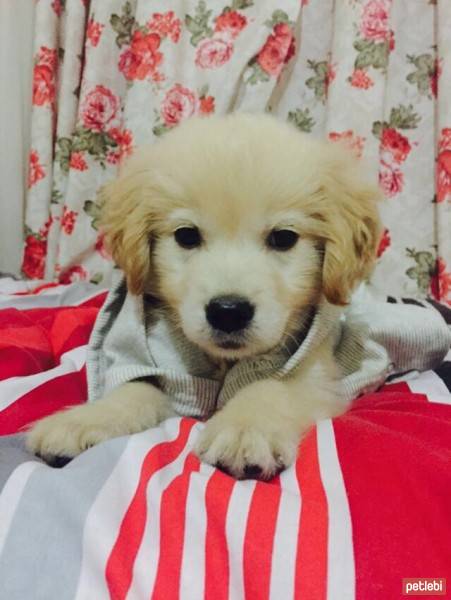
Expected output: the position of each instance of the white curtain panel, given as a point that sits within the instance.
(16, 59)
(113, 74)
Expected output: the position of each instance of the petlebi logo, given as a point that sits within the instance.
(424, 586)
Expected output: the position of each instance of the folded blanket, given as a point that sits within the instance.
(365, 505)
(373, 340)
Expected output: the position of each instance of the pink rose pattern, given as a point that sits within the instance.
(355, 143)
(94, 31)
(36, 171)
(99, 108)
(211, 34)
(443, 180)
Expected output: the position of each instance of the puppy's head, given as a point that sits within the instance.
(238, 224)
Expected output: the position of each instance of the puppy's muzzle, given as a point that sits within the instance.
(229, 314)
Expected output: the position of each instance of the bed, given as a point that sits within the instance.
(367, 504)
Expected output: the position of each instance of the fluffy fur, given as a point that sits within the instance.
(236, 179)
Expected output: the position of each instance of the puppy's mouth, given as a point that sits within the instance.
(229, 341)
(230, 345)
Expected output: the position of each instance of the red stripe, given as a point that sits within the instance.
(172, 533)
(119, 568)
(259, 539)
(37, 289)
(400, 386)
(395, 456)
(311, 558)
(49, 397)
(217, 497)
(96, 301)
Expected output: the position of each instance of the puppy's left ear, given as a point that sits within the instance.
(127, 222)
(350, 225)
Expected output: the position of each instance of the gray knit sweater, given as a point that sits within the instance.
(372, 339)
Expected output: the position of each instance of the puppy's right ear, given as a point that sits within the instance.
(127, 224)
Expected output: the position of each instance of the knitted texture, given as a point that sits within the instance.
(372, 340)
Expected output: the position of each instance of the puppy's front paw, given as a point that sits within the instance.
(247, 450)
(66, 434)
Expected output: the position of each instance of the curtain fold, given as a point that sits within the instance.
(115, 74)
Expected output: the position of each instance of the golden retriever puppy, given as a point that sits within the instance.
(240, 226)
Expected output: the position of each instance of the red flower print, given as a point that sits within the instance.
(44, 231)
(278, 46)
(207, 105)
(352, 141)
(292, 51)
(440, 285)
(435, 78)
(391, 180)
(213, 52)
(331, 74)
(391, 40)
(48, 57)
(178, 104)
(230, 22)
(443, 177)
(33, 264)
(75, 273)
(57, 7)
(165, 24)
(396, 144)
(113, 157)
(124, 140)
(375, 20)
(78, 162)
(142, 58)
(44, 75)
(43, 85)
(35, 169)
(101, 248)
(384, 243)
(99, 108)
(94, 31)
(359, 79)
(68, 220)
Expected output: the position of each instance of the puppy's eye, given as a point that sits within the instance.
(282, 239)
(188, 237)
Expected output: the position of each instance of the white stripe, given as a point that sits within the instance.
(340, 551)
(54, 297)
(146, 563)
(430, 384)
(14, 388)
(283, 567)
(192, 576)
(236, 523)
(11, 495)
(106, 514)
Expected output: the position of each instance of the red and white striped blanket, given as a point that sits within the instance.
(366, 505)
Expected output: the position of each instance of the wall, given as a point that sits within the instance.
(16, 40)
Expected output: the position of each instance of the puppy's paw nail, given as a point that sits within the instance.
(222, 467)
(252, 472)
(57, 462)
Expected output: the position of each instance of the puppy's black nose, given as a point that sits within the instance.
(229, 313)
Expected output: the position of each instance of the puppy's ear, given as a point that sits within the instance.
(350, 225)
(127, 223)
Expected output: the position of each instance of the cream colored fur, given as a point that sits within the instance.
(235, 178)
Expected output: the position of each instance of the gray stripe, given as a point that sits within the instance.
(41, 558)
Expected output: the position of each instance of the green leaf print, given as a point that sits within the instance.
(302, 119)
(198, 25)
(123, 25)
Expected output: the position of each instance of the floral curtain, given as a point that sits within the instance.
(112, 74)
